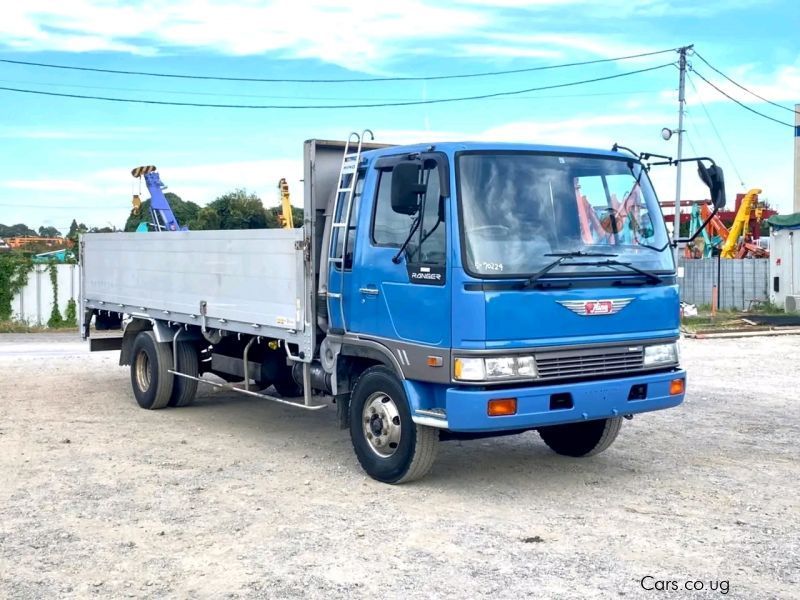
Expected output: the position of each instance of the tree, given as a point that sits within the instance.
(49, 232)
(75, 229)
(206, 219)
(185, 212)
(20, 229)
(235, 210)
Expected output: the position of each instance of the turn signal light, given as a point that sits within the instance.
(502, 407)
(677, 386)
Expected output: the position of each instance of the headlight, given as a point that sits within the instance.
(662, 354)
(494, 368)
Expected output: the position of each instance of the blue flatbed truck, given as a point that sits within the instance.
(435, 291)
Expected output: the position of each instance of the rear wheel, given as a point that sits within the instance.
(150, 377)
(585, 438)
(389, 445)
(183, 389)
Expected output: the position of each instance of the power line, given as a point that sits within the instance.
(284, 97)
(336, 106)
(353, 80)
(716, 132)
(749, 91)
(752, 110)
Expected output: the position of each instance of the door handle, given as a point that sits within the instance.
(369, 291)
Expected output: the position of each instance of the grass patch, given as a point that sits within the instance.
(721, 322)
(23, 327)
(729, 320)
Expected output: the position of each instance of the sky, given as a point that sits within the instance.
(66, 158)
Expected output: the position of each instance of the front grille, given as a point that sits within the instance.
(588, 363)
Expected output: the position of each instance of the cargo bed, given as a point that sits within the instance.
(246, 281)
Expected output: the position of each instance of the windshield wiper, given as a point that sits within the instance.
(651, 277)
(580, 253)
(562, 256)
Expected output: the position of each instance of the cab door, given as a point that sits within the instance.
(403, 293)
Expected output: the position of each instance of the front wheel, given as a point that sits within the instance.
(389, 445)
(585, 438)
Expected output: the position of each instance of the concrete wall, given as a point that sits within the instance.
(740, 281)
(35, 302)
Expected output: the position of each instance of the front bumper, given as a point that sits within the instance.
(465, 409)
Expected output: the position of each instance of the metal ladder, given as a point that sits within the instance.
(342, 205)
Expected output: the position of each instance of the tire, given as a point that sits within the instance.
(396, 453)
(184, 390)
(150, 362)
(586, 438)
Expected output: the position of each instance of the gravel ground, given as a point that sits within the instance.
(235, 497)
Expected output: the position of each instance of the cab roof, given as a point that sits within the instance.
(451, 148)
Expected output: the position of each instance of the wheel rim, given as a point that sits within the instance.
(380, 421)
(143, 371)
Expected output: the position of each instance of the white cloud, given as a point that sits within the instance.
(353, 35)
(360, 35)
(602, 46)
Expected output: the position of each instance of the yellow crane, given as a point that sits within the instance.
(285, 218)
(740, 223)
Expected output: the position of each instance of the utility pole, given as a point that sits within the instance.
(676, 228)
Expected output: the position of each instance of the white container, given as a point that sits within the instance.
(784, 271)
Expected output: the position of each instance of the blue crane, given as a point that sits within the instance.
(161, 215)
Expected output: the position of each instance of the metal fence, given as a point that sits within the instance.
(740, 281)
(35, 302)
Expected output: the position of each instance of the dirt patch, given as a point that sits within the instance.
(237, 497)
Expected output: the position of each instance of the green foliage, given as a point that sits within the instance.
(207, 219)
(75, 229)
(236, 210)
(14, 269)
(71, 314)
(184, 210)
(55, 320)
(49, 232)
(20, 229)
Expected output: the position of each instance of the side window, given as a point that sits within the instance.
(388, 227)
(351, 230)
(428, 244)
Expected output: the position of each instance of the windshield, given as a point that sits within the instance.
(517, 207)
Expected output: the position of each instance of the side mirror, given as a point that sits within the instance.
(715, 180)
(406, 187)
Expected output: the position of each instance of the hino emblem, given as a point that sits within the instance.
(591, 308)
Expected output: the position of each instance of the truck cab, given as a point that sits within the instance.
(504, 288)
